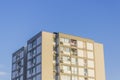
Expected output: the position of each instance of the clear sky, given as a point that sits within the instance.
(95, 19)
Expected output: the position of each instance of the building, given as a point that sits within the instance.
(59, 56)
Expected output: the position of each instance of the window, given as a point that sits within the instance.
(81, 62)
(85, 72)
(90, 55)
(81, 53)
(91, 73)
(66, 59)
(64, 40)
(91, 79)
(38, 49)
(34, 52)
(73, 60)
(22, 54)
(33, 78)
(28, 74)
(32, 62)
(13, 66)
(38, 40)
(29, 46)
(21, 71)
(65, 50)
(29, 55)
(34, 44)
(38, 59)
(65, 77)
(80, 44)
(90, 64)
(38, 77)
(89, 46)
(81, 78)
(66, 69)
(74, 78)
(38, 68)
(81, 71)
(29, 64)
(74, 70)
(74, 52)
(21, 77)
(73, 42)
(61, 39)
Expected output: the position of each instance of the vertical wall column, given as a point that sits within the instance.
(99, 62)
(47, 56)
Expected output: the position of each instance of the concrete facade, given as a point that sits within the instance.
(59, 56)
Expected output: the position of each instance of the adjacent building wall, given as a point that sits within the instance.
(99, 61)
(47, 56)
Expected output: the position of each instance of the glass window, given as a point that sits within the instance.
(13, 66)
(74, 70)
(81, 78)
(80, 44)
(91, 73)
(90, 55)
(38, 40)
(90, 64)
(38, 59)
(28, 73)
(22, 54)
(74, 52)
(61, 39)
(81, 71)
(66, 40)
(81, 62)
(66, 69)
(74, 78)
(80, 53)
(29, 46)
(38, 68)
(89, 46)
(65, 77)
(29, 55)
(34, 52)
(34, 44)
(34, 78)
(85, 72)
(29, 64)
(91, 79)
(38, 77)
(66, 59)
(61, 48)
(22, 62)
(21, 77)
(73, 60)
(38, 49)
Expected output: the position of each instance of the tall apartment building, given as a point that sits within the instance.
(58, 56)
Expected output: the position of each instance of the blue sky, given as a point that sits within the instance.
(95, 19)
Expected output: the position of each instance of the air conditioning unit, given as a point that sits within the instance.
(61, 51)
(61, 42)
(54, 70)
(61, 61)
(61, 71)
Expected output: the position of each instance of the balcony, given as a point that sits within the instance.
(74, 52)
(73, 43)
(64, 52)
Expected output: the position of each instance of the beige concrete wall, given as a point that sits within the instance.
(47, 56)
(99, 61)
